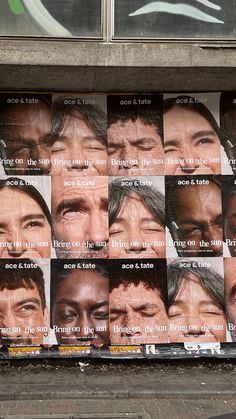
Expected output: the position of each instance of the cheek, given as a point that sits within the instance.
(115, 252)
(70, 231)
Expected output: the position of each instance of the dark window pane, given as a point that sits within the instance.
(175, 19)
(63, 18)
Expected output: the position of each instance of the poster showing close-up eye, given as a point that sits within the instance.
(51, 18)
(198, 19)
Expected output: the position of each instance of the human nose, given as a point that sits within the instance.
(41, 154)
(194, 325)
(213, 235)
(98, 230)
(130, 156)
(77, 159)
(136, 243)
(16, 244)
(86, 329)
(130, 326)
(189, 160)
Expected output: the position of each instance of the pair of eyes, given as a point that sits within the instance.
(206, 313)
(16, 148)
(70, 315)
(143, 313)
(31, 225)
(149, 229)
(142, 145)
(199, 142)
(60, 146)
(193, 231)
(24, 311)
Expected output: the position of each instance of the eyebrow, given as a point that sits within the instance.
(62, 137)
(75, 304)
(193, 137)
(28, 300)
(135, 308)
(202, 302)
(123, 219)
(33, 216)
(26, 218)
(134, 142)
(198, 223)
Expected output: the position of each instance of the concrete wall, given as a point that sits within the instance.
(122, 67)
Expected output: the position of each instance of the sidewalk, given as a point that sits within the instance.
(148, 389)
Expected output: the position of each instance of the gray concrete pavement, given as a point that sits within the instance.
(148, 390)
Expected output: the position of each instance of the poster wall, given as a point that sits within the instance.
(117, 225)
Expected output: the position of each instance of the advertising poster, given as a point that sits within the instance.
(196, 304)
(24, 302)
(137, 217)
(135, 135)
(138, 302)
(117, 225)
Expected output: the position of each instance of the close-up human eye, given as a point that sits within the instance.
(205, 140)
(66, 316)
(102, 314)
(58, 146)
(34, 224)
(113, 148)
(27, 309)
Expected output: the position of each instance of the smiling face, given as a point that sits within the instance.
(197, 211)
(22, 318)
(24, 228)
(134, 149)
(194, 316)
(28, 139)
(191, 145)
(230, 292)
(78, 151)
(137, 315)
(80, 218)
(80, 309)
(136, 232)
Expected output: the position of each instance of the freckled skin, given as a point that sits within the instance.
(197, 314)
(137, 307)
(77, 151)
(136, 227)
(194, 144)
(230, 292)
(131, 143)
(197, 211)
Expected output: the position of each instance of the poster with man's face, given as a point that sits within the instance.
(24, 302)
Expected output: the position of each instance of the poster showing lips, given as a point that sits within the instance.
(212, 19)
